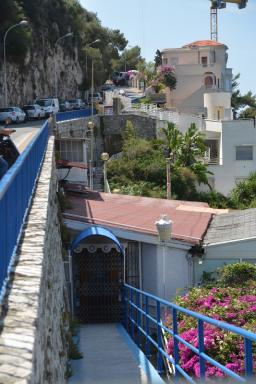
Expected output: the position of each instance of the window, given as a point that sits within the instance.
(244, 152)
(165, 61)
(204, 61)
(174, 61)
(208, 82)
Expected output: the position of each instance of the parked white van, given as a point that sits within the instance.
(50, 105)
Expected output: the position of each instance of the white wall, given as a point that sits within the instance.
(149, 268)
(165, 270)
(190, 74)
(219, 255)
(234, 133)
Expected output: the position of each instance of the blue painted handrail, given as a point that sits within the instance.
(69, 115)
(138, 320)
(16, 190)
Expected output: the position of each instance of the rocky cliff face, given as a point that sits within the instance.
(36, 76)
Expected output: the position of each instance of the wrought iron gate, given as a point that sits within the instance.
(98, 280)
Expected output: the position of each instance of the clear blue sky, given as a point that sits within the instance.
(162, 24)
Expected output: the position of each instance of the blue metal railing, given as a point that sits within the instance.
(16, 189)
(69, 115)
(138, 320)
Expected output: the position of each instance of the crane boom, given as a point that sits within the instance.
(220, 4)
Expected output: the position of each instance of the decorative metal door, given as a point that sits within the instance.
(99, 281)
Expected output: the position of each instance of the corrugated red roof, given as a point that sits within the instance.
(203, 43)
(135, 213)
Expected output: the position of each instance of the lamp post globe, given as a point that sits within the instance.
(164, 227)
(104, 156)
(90, 125)
(23, 22)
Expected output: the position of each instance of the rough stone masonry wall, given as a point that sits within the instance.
(34, 316)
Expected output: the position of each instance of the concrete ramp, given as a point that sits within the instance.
(110, 357)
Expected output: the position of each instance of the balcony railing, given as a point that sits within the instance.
(143, 311)
(16, 190)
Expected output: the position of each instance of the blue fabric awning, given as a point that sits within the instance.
(95, 231)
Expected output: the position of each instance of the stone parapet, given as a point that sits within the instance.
(33, 346)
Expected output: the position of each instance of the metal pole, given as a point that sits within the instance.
(105, 176)
(86, 67)
(55, 74)
(164, 269)
(92, 88)
(5, 79)
(168, 178)
(5, 74)
(124, 264)
(54, 59)
(91, 152)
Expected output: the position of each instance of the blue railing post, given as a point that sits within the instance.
(131, 313)
(125, 307)
(179, 371)
(175, 341)
(138, 317)
(248, 358)
(147, 328)
(201, 348)
(159, 338)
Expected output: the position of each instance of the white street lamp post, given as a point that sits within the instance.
(125, 57)
(86, 47)
(90, 127)
(105, 157)
(55, 65)
(20, 24)
(164, 229)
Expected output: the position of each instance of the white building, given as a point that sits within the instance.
(230, 238)
(203, 95)
(162, 268)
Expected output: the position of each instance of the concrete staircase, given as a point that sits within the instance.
(98, 179)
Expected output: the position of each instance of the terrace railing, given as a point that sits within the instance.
(143, 312)
(69, 115)
(16, 191)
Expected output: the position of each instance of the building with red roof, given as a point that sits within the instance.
(162, 268)
(200, 68)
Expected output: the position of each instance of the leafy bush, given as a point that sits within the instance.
(236, 275)
(233, 305)
(244, 194)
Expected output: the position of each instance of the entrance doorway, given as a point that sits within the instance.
(98, 279)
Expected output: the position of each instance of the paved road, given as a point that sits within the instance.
(25, 133)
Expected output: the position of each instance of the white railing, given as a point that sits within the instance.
(182, 120)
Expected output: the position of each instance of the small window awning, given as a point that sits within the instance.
(95, 231)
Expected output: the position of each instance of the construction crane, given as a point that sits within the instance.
(220, 4)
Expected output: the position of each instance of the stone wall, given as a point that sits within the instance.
(33, 346)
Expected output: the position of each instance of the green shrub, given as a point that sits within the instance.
(236, 275)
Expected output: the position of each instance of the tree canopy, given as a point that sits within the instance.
(50, 19)
(243, 105)
(141, 170)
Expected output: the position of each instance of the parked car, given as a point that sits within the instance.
(12, 114)
(49, 104)
(95, 98)
(34, 111)
(107, 87)
(76, 103)
(120, 78)
(65, 106)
